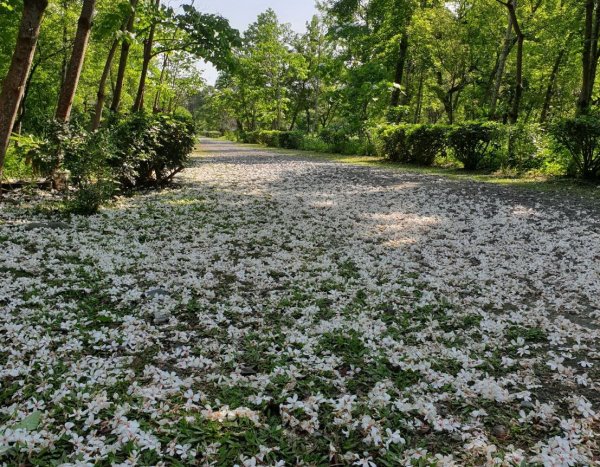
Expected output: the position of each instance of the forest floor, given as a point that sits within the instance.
(277, 309)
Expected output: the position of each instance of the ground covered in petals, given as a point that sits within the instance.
(279, 310)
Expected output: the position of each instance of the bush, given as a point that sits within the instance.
(472, 142)
(522, 147)
(150, 149)
(336, 138)
(414, 144)
(290, 139)
(426, 142)
(211, 134)
(249, 137)
(88, 199)
(314, 143)
(581, 138)
(394, 142)
(334, 142)
(269, 138)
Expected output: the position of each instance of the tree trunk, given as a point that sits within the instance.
(516, 107)
(155, 106)
(551, 85)
(399, 76)
(506, 48)
(67, 92)
(419, 98)
(589, 56)
(101, 95)
(13, 86)
(148, 44)
(125, 47)
(18, 127)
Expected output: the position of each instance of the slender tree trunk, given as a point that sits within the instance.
(419, 97)
(125, 47)
(279, 116)
(400, 65)
(148, 44)
(22, 107)
(65, 43)
(551, 85)
(13, 86)
(506, 48)
(155, 106)
(101, 94)
(516, 107)
(317, 110)
(67, 93)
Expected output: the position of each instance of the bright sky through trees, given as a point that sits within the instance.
(241, 13)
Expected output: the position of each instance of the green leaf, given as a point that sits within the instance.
(29, 423)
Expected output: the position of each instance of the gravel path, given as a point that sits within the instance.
(274, 309)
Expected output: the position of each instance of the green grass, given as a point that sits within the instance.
(544, 184)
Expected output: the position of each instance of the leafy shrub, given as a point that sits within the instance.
(522, 147)
(269, 138)
(581, 138)
(87, 162)
(59, 141)
(249, 137)
(211, 134)
(415, 144)
(394, 142)
(336, 138)
(88, 198)
(472, 142)
(16, 164)
(425, 143)
(150, 149)
(290, 139)
(314, 143)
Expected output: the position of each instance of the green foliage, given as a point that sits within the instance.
(581, 138)
(472, 142)
(269, 138)
(16, 165)
(523, 147)
(394, 142)
(426, 142)
(314, 143)
(413, 144)
(249, 137)
(150, 149)
(89, 197)
(133, 151)
(211, 134)
(290, 139)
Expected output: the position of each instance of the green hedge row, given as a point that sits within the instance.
(326, 141)
(570, 147)
(210, 134)
(477, 145)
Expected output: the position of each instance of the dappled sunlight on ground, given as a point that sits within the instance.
(270, 308)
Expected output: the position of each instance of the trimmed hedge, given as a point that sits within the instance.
(413, 144)
(332, 142)
(478, 145)
(471, 142)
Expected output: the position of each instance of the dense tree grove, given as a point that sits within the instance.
(73, 71)
(522, 65)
